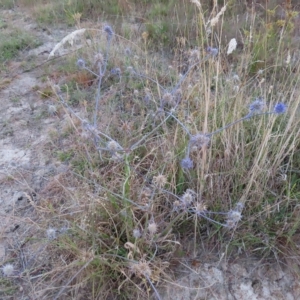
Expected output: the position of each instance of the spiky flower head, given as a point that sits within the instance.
(187, 163)
(212, 51)
(117, 157)
(152, 227)
(146, 193)
(178, 95)
(127, 51)
(116, 71)
(177, 205)
(160, 180)
(280, 108)
(257, 106)
(239, 206)
(80, 63)
(200, 208)
(99, 59)
(141, 268)
(168, 100)
(113, 146)
(109, 32)
(188, 197)
(235, 216)
(199, 141)
(8, 270)
(230, 224)
(136, 233)
(194, 56)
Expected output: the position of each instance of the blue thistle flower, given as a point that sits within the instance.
(115, 71)
(109, 32)
(280, 108)
(212, 51)
(199, 141)
(127, 52)
(256, 106)
(187, 163)
(80, 63)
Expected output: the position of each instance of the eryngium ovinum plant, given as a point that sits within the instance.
(189, 202)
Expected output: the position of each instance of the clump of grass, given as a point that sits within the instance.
(13, 41)
(157, 155)
(148, 211)
(7, 4)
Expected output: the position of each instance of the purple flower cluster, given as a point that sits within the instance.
(187, 163)
(109, 32)
(280, 108)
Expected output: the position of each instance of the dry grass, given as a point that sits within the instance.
(119, 226)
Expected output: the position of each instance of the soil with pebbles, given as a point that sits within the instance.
(25, 166)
